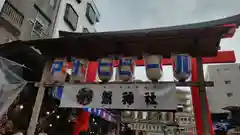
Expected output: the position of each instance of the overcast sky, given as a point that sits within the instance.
(135, 14)
(130, 14)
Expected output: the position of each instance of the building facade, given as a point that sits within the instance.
(35, 19)
(184, 117)
(184, 100)
(27, 19)
(225, 93)
(76, 16)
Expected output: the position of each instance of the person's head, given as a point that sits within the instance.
(2, 131)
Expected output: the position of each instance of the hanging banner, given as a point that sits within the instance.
(57, 93)
(225, 125)
(124, 96)
(101, 113)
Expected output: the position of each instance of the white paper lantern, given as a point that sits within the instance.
(153, 66)
(182, 66)
(79, 67)
(58, 70)
(105, 69)
(126, 68)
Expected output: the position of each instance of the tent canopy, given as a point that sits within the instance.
(24, 55)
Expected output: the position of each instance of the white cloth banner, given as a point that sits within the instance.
(124, 96)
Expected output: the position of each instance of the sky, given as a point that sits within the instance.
(138, 14)
(133, 14)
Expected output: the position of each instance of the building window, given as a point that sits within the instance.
(85, 30)
(71, 17)
(227, 81)
(52, 3)
(90, 14)
(185, 119)
(40, 25)
(79, 1)
(229, 94)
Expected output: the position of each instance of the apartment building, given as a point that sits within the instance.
(35, 19)
(225, 93)
(184, 100)
(27, 19)
(184, 118)
(223, 98)
(76, 16)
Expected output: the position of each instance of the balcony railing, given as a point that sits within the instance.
(38, 35)
(11, 12)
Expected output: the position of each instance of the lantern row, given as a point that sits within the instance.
(77, 68)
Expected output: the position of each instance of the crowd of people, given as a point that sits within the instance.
(7, 127)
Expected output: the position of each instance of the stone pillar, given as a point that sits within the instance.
(118, 127)
(170, 116)
(140, 115)
(136, 132)
(136, 114)
(144, 133)
(148, 115)
(163, 116)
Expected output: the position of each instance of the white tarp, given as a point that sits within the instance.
(164, 96)
(11, 84)
(8, 93)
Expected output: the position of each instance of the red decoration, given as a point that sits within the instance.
(81, 122)
(231, 31)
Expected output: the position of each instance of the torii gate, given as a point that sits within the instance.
(222, 57)
(70, 47)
